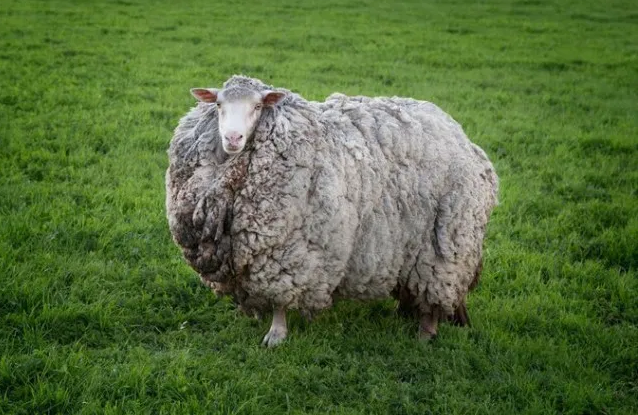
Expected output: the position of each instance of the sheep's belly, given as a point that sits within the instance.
(366, 286)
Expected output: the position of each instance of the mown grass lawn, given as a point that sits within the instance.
(99, 314)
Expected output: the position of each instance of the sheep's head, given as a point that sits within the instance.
(239, 110)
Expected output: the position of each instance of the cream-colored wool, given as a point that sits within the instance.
(353, 197)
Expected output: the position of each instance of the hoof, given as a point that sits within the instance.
(426, 336)
(274, 337)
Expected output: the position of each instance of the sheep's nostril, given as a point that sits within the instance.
(234, 137)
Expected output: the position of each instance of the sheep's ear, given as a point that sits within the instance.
(205, 94)
(270, 98)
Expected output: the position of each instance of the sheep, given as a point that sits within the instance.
(284, 203)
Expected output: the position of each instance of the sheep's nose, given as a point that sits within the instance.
(234, 137)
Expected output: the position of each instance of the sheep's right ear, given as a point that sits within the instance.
(205, 94)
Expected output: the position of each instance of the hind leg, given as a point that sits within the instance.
(460, 317)
(406, 306)
(429, 323)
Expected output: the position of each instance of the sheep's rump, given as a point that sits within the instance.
(355, 197)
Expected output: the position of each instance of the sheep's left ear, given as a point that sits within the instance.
(270, 98)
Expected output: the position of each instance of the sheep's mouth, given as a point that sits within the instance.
(232, 149)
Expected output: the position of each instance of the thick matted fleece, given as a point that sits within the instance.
(353, 197)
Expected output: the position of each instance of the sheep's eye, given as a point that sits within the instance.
(219, 105)
(258, 106)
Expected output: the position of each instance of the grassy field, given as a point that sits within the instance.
(100, 314)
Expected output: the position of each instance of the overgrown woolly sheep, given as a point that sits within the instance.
(285, 203)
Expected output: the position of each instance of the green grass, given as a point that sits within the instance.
(100, 314)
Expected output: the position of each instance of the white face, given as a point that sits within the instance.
(238, 114)
(237, 120)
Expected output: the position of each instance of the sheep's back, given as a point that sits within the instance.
(399, 158)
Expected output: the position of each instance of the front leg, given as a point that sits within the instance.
(278, 329)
